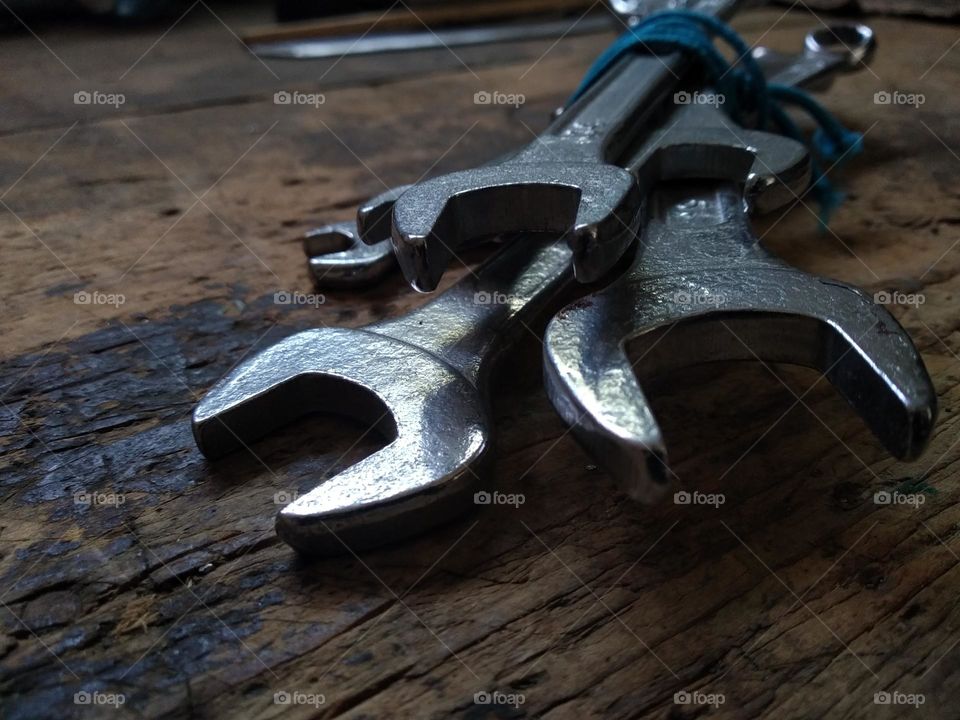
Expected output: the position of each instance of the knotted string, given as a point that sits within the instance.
(748, 98)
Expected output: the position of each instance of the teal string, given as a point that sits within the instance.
(748, 98)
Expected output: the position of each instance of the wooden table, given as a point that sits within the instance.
(179, 212)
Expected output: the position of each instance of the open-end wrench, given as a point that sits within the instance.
(337, 257)
(564, 183)
(701, 289)
(421, 379)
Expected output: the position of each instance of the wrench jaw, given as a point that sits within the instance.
(426, 471)
(389, 496)
(767, 314)
(374, 216)
(603, 404)
(701, 290)
(782, 315)
(337, 258)
(701, 143)
(593, 205)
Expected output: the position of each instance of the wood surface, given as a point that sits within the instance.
(799, 597)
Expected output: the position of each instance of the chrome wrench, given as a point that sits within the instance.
(422, 379)
(701, 289)
(565, 182)
(338, 258)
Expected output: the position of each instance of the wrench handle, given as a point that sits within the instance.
(614, 110)
(483, 313)
(598, 124)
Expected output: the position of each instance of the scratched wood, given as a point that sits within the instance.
(798, 597)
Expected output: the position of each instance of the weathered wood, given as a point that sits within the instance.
(798, 598)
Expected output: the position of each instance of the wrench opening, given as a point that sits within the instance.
(901, 417)
(337, 258)
(300, 395)
(427, 469)
(585, 203)
(702, 289)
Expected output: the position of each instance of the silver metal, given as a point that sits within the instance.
(421, 379)
(701, 289)
(339, 259)
(566, 182)
(826, 50)
(376, 43)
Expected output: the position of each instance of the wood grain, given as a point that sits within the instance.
(799, 597)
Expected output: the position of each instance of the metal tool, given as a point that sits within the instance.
(564, 182)
(701, 289)
(844, 46)
(421, 379)
(336, 19)
(376, 43)
(339, 259)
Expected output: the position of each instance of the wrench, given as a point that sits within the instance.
(337, 258)
(700, 289)
(563, 183)
(826, 50)
(421, 379)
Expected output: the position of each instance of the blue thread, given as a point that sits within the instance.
(749, 100)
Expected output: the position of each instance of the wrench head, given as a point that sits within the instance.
(594, 205)
(701, 290)
(337, 258)
(436, 421)
(701, 142)
(853, 44)
(374, 216)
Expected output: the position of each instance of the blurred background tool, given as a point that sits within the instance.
(402, 17)
(448, 25)
(310, 49)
